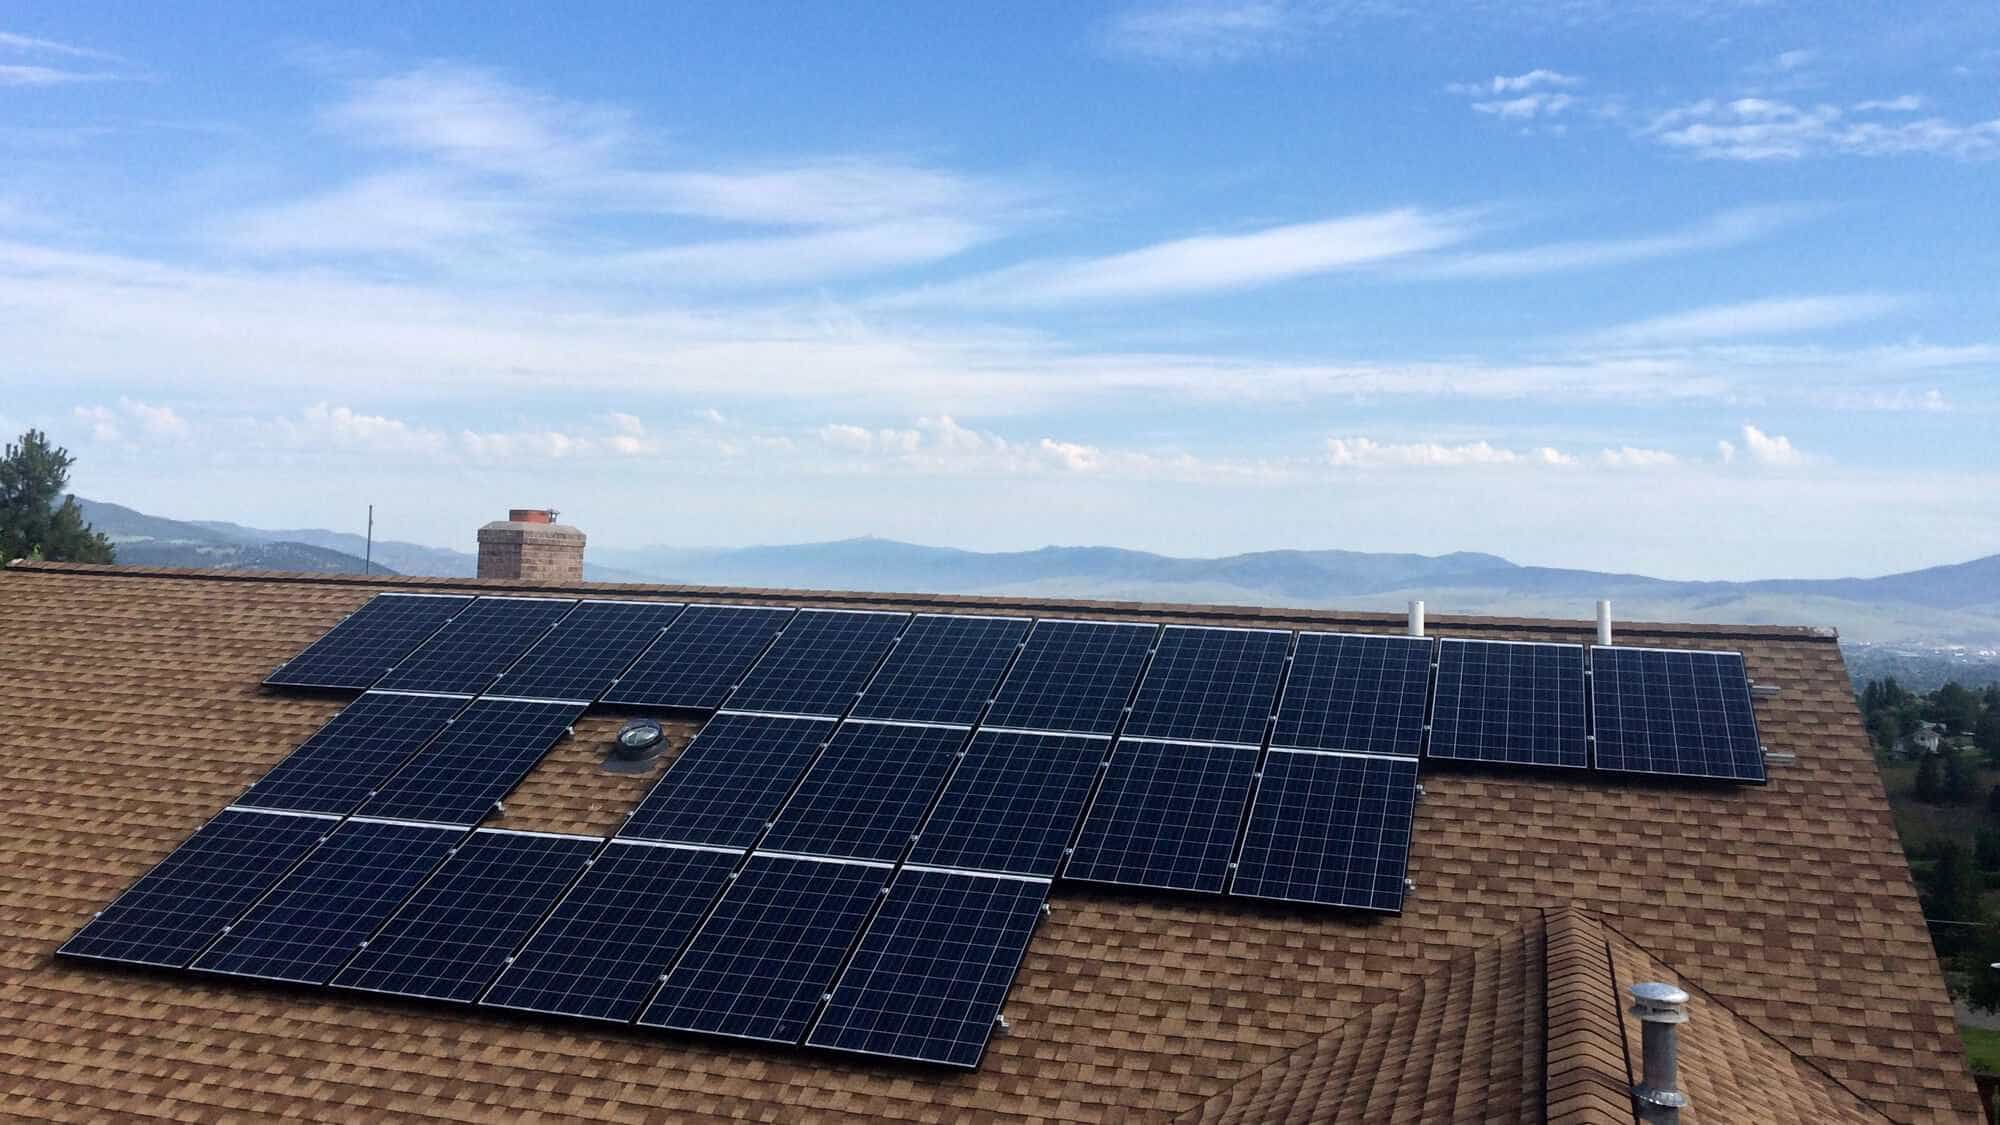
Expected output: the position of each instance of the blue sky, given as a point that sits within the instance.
(1701, 289)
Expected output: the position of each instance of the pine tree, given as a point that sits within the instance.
(1930, 780)
(1961, 779)
(33, 524)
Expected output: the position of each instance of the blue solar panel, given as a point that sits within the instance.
(368, 642)
(1073, 676)
(1329, 828)
(479, 758)
(584, 652)
(1166, 816)
(1210, 685)
(1509, 703)
(455, 935)
(317, 916)
(354, 753)
(864, 796)
(178, 907)
(699, 658)
(1365, 694)
(759, 966)
(1012, 803)
(729, 781)
(934, 967)
(604, 948)
(822, 659)
(478, 645)
(943, 670)
(1674, 713)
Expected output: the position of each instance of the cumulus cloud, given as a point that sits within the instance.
(1361, 452)
(1770, 449)
(1631, 457)
(1538, 78)
(154, 421)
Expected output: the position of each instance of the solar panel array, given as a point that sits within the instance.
(699, 659)
(1674, 713)
(583, 653)
(1073, 677)
(1166, 816)
(354, 753)
(479, 643)
(1329, 828)
(1210, 685)
(1509, 703)
(943, 670)
(728, 782)
(865, 794)
(482, 754)
(368, 642)
(1360, 693)
(818, 664)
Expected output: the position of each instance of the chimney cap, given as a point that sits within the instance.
(1659, 1002)
(531, 515)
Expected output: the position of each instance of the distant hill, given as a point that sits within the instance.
(143, 540)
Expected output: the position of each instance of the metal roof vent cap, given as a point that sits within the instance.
(639, 741)
(1661, 1009)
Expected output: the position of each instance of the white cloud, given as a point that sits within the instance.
(1770, 449)
(1630, 457)
(1206, 31)
(1726, 450)
(1902, 400)
(790, 258)
(1538, 78)
(1773, 317)
(1361, 452)
(1729, 228)
(1754, 129)
(103, 423)
(108, 425)
(15, 74)
(1527, 107)
(28, 44)
(471, 116)
(1787, 61)
(1902, 103)
(404, 212)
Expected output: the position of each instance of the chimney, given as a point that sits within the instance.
(1661, 1009)
(531, 546)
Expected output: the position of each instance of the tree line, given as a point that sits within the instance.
(38, 519)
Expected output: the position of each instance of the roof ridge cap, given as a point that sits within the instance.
(1585, 1073)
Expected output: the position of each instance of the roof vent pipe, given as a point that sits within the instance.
(1661, 1009)
(1416, 619)
(1603, 621)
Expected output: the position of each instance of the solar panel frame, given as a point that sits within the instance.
(1329, 828)
(452, 937)
(1012, 803)
(365, 644)
(867, 792)
(354, 753)
(1479, 715)
(1725, 744)
(581, 656)
(182, 903)
(1364, 693)
(307, 925)
(759, 965)
(943, 669)
(478, 644)
(601, 951)
(729, 780)
(475, 762)
(933, 968)
(698, 661)
(819, 663)
(1166, 816)
(1073, 677)
(1210, 684)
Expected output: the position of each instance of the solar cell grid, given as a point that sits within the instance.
(933, 968)
(1359, 693)
(177, 908)
(700, 657)
(1210, 685)
(863, 797)
(943, 669)
(478, 759)
(1166, 816)
(354, 753)
(1012, 803)
(1331, 829)
(729, 780)
(1073, 676)
(307, 927)
(758, 966)
(1674, 713)
(1509, 703)
(454, 935)
(819, 663)
(368, 642)
(603, 949)
(478, 644)
(581, 654)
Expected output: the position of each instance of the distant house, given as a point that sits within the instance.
(1926, 740)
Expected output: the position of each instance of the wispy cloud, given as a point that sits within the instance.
(25, 74)
(1757, 129)
(1367, 453)
(1778, 316)
(29, 44)
(153, 420)
(1209, 31)
(1536, 79)
(1729, 228)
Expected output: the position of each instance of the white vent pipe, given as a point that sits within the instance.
(1604, 622)
(1416, 619)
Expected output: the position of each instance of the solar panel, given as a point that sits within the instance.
(603, 949)
(934, 967)
(178, 907)
(758, 967)
(1073, 676)
(317, 916)
(1166, 816)
(1509, 703)
(354, 753)
(1675, 713)
(729, 781)
(1329, 828)
(454, 936)
(822, 659)
(478, 645)
(943, 670)
(1210, 685)
(584, 652)
(368, 642)
(1012, 803)
(480, 757)
(863, 797)
(1360, 693)
(700, 657)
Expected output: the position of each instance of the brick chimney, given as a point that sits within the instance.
(531, 546)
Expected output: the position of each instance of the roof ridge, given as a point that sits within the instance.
(1585, 1074)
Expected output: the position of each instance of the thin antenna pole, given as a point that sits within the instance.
(368, 556)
